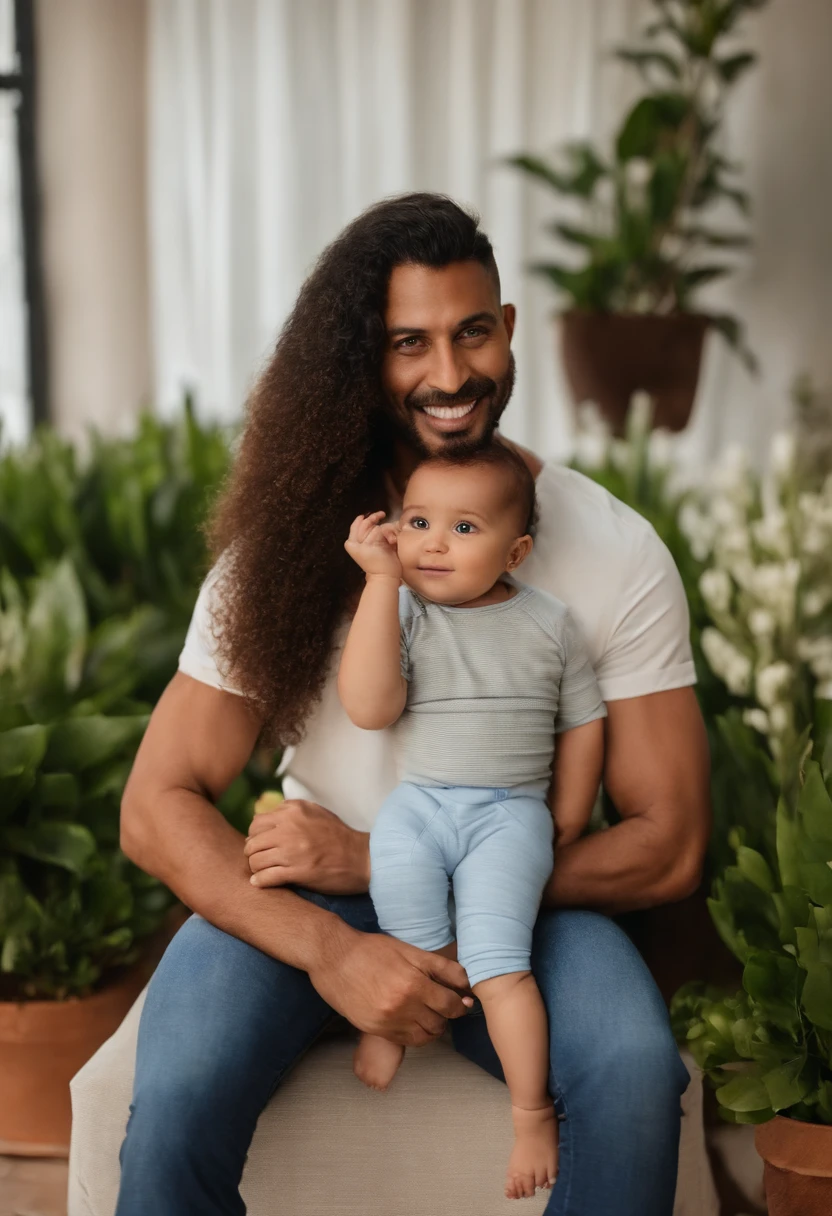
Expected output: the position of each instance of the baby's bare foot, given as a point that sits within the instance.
(534, 1158)
(376, 1060)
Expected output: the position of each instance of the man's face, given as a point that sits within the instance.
(447, 371)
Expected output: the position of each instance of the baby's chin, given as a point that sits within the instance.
(443, 588)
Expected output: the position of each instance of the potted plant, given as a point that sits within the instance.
(768, 1048)
(639, 220)
(99, 568)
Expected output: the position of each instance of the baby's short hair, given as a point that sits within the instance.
(497, 455)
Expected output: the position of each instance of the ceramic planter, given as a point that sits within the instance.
(798, 1166)
(609, 356)
(42, 1045)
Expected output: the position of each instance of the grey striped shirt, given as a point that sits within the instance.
(489, 688)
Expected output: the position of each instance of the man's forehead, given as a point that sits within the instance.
(427, 297)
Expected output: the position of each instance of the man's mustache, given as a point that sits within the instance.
(470, 391)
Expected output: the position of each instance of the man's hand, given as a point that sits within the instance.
(305, 844)
(373, 545)
(389, 988)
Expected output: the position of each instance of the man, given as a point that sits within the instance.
(399, 345)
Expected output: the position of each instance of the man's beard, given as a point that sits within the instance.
(498, 392)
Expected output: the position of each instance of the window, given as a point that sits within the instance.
(23, 366)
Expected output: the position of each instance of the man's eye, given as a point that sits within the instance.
(473, 332)
(405, 343)
(464, 528)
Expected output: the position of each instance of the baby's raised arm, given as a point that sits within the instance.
(371, 686)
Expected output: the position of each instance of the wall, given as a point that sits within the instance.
(91, 133)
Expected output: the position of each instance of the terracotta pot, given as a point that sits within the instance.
(609, 356)
(42, 1046)
(798, 1167)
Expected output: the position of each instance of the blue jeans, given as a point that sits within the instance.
(224, 1023)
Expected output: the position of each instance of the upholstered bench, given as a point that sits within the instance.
(435, 1144)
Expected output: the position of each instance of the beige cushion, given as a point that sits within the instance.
(325, 1143)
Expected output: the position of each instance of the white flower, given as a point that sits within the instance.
(757, 719)
(774, 584)
(715, 586)
(591, 449)
(772, 532)
(726, 513)
(590, 418)
(782, 453)
(816, 600)
(641, 413)
(660, 447)
(781, 718)
(698, 529)
(761, 623)
(731, 472)
(726, 661)
(771, 682)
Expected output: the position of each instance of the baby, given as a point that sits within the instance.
(480, 672)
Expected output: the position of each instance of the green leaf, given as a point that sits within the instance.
(733, 66)
(755, 868)
(745, 1092)
(649, 58)
(649, 122)
(774, 982)
(22, 749)
(575, 236)
(816, 998)
(734, 334)
(61, 844)
(815, 806)
(787, 852)
(81, 743)
(665, 185)
(786, 1085)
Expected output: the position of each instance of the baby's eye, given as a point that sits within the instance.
(464, 528)
(419, 522)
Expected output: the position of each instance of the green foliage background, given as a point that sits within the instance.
(100, 563)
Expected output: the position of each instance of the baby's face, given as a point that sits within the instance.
(458, 531)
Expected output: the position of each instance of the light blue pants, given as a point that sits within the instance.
(493, 847)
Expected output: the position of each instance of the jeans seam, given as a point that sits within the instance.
(562, 1114)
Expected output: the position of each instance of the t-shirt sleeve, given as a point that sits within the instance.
(648, 648)
(579, 699)
(405, 627)
(198, 658)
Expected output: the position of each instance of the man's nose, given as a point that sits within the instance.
(447, 371)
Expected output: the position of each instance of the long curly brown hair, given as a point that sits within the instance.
(317, 440)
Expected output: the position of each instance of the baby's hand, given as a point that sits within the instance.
(373, 545)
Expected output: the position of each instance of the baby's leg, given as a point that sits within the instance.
(519, 1030)
(376, 1060)
(409, 888)
(497, 888)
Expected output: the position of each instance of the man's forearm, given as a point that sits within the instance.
(622, 869)
(187, 844)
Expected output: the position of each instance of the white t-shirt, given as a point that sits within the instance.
(591, 551)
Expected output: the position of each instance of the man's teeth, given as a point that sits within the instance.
(449, 411)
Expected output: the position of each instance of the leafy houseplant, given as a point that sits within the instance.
(100, 564)
(643, 231)
(768, 1048)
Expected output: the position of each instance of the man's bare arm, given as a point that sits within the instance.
(198, 740)
(656, 771)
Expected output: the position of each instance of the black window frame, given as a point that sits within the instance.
(23, 82)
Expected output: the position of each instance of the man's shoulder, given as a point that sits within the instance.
(576, 505)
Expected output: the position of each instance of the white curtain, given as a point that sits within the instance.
(274, 122)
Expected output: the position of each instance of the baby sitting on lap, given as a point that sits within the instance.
(481, 673)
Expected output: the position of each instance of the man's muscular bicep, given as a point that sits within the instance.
(199, 738)
(657, 766)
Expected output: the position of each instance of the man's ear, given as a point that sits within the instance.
(519, 551)
(509, 319)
